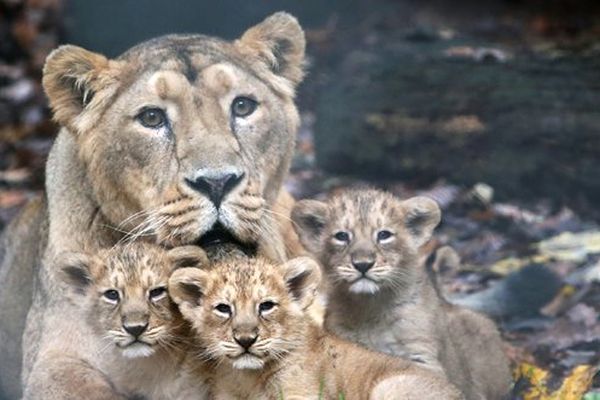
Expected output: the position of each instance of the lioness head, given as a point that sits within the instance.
(247, 313)
(367, 240)
(123, 292)
(185, 136)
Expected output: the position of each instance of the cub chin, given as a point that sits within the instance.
(139, 333)
(380, 294)
(257, 340)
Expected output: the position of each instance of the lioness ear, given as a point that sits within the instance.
(309, 218)
(72, 78)
(279, 43)
(302, 276)
(75, 270)
(188, 256)
(187, 285)
(421, 216)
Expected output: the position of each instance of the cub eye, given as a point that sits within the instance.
(152, 118)
(223, 308)
(157, 293)
(342, 236)
(111, 295)
(266, 306)
(243, 106)
(384, 236)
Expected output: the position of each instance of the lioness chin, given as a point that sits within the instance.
(182, 139)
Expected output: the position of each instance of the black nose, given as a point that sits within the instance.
(135, 330)
(246, 341)
(363, 266)
(215, 187)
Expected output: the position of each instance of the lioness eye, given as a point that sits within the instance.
(243, 106)
(111, 295)
(223, 308)
(384, 236)
(157, 293)
(266, 306)
(152, 118)
(342, 236)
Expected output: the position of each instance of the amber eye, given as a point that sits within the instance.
(223, 308)
(111, 295)
(342, 236)
(266, 306)
(243, 106)
(157, 293)
(384, 236)
(152, 118)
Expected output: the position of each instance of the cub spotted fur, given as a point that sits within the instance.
(258, 342)
(182, 139)
(122, 295)
(380, 295)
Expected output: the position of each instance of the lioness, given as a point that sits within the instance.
(380, 294)
(258, 342)
(183, 139)
(122, 294)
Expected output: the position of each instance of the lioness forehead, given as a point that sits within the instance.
(187, 54)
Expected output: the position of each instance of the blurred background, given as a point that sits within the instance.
(492, 107)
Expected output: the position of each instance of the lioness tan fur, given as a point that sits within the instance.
(381, 296)
(257, 340)
(122, 294)
(179, 136)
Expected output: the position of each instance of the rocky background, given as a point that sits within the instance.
(491, 107)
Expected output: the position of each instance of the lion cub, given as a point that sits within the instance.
(258, 341)
(122, 293)
(380, 295)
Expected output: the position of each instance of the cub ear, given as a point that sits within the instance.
(75, 270)
(279, 43)
(188, 285)
(72, 77)
(302, 277)
(309, 218)
(188, 256)
(421, 216)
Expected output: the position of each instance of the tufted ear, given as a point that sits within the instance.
(279, 43)
(188, 256)
(421, 216)
(75, 269)
(187, 286)
(73, 78)
(310, 219)
(302, 277)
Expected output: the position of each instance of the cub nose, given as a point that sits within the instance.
(246, 341)
(135, 330)
(363, 266)
(215, 187)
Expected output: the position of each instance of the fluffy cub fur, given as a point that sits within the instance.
(257, 340)
(138, 331)
(380, 295)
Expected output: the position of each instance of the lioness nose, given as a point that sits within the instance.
(216, 187)
(363, 266)
(135, 330)
(246, 341)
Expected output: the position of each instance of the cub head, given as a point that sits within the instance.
(247, 313)
(184, 136)
(367, 240)
(123, 292)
